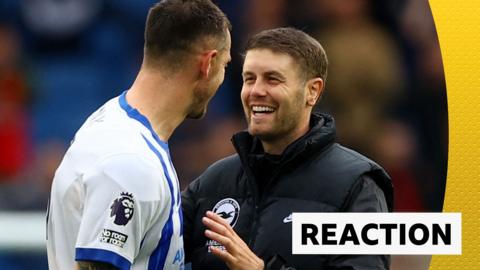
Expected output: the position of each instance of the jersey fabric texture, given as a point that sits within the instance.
(257, 192)
(115, 196)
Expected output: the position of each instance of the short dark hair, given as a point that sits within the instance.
(297, 44)
(173, 27)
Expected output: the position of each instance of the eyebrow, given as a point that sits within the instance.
(275, 74)
(268, 73)
(247, 73)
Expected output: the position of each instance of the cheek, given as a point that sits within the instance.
(221, 75)
(244, 95)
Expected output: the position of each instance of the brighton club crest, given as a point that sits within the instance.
(228, 209)
(122, 209)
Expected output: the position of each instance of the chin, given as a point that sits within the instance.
(197, 115)
(261, 134)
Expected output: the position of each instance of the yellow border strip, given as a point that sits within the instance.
(458, 27)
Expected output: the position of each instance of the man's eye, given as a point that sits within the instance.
(273, 80)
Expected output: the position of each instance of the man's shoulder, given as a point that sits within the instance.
(227, 165)
(341, 157)
(110, 120)
(223, 173)
(367, 169)
(110, 145)
(350, 154)
(108, 131)
(133, 172)
(105, 142)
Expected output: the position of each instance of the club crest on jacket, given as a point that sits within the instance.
(228, 209)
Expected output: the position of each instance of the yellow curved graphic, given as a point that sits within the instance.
(458, 27)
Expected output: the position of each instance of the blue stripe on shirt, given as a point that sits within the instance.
(159, 255)
(135, 114)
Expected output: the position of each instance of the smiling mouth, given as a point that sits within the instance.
(258, 110)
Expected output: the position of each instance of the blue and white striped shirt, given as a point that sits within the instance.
(115, 197)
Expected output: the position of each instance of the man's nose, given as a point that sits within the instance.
(258, 89)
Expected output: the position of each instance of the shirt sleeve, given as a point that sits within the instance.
(368, 198)
(122, 198)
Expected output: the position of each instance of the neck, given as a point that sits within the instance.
(277, 146)
(162, 98)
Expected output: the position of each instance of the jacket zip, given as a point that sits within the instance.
(251, 180)
(258, 204)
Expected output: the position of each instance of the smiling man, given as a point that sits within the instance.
(287, 161)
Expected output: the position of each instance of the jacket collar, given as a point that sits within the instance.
(320, 135)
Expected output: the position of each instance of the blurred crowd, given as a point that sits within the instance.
(60, 60)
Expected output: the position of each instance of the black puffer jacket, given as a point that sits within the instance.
(256, 193)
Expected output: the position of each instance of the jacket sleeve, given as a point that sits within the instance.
(367, 197)
(189, 209)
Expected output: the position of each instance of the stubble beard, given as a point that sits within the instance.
(277, 130)
(198, 108)
(197, 111)
(284, 125)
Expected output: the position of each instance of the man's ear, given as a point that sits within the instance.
(315, 88)
(206, 60)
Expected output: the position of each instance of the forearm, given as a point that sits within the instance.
(87, 265)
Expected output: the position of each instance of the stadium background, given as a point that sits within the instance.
(60, 60)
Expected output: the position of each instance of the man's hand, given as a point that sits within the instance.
(237, 255)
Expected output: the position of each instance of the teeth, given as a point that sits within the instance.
(262, 109)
